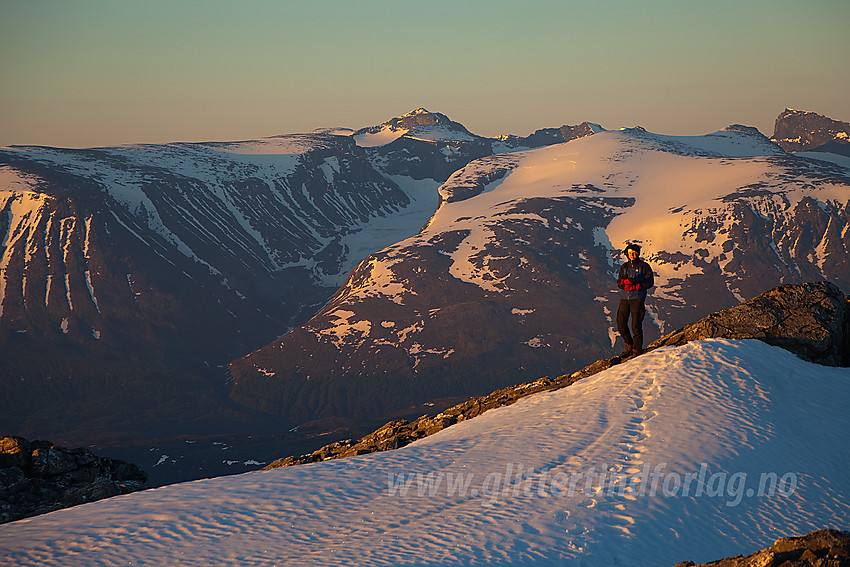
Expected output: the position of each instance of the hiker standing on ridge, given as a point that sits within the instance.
(634, 279)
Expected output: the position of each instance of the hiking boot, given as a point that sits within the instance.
(627, 353)
(637, 351)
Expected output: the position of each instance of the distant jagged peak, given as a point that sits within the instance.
(548, 136)
(796, 112)
(580, 130)
(423, 116)
(807, 115)
(803, 130)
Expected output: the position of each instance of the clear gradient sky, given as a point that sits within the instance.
(103, 72)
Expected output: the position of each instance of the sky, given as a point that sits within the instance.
(107, 72)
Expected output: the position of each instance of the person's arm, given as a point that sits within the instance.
(622, 281)
(648, 277)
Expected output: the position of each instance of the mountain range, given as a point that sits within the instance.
(131, 276)
(168, 294)
(515, 274)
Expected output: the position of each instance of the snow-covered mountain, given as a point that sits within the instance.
(698, 452)
(130, 276)
(146, 265)
(514, 276)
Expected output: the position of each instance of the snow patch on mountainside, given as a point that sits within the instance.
(697, 452)
(380, 138)
(24, 207)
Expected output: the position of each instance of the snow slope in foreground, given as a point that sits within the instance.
(685, 434)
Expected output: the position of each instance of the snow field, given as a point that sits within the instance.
(708, 450)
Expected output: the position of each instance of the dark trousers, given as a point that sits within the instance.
(634, 309)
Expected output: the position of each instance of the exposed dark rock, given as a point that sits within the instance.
(812, 320)
(799, 130)
(38, 477)
(823, 548)
(14, 452)
(547, 136)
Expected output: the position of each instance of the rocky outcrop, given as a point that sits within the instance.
(39, 477)
(800, 130)
(812, 320)
(823, 548)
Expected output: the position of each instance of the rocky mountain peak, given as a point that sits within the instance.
(414, 119)
(802, 130)
(423, 116)
(793, 111)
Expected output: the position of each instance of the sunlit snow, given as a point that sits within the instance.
(673, 191)
(699, 452)
(381, 138)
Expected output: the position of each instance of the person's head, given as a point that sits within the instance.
(632, 251)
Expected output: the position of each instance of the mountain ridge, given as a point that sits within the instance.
(343, 511)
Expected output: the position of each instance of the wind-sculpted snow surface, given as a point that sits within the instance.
(514, 276)
(702, 451)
